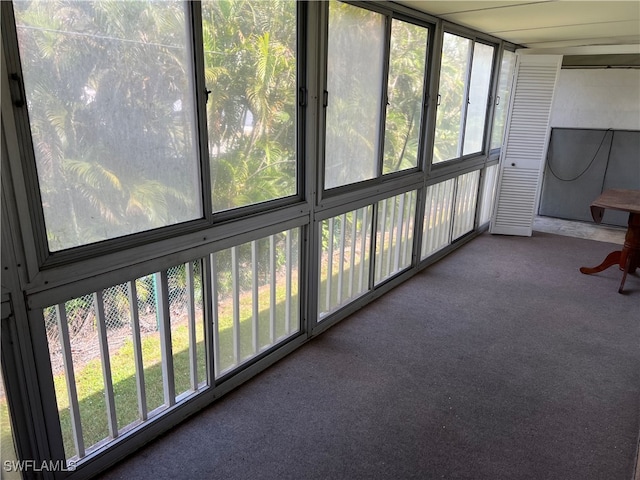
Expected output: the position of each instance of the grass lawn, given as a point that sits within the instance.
(89, 379)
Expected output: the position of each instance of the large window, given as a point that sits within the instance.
(394, 235)
(256, 301)
(110, 88)
(115, 148)
(344, 259)
(122, 355)
(465, 78)
(118, 96)
(126, 353)
(450, 211)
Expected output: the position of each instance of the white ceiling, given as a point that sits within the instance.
(545, 24)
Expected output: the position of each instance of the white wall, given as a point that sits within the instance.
(597, 98)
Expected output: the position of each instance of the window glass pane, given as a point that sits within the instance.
(438, 214)
(394, 235)
(502, 102)
(450, 116)
(466, 198)
(110, 102)
(488, 193)
(344, 259)
(124, 354)
(256, 300)
(354, 71)
(250, 68)
(405, 88)
(478, 98)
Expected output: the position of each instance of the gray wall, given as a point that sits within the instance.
(581, 163)
(595, 141)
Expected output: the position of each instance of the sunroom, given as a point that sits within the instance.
(191, 191)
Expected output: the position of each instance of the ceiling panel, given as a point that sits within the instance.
(577, 33)
(440, 8)
(543, 15)
(545, 24)
(621, 42)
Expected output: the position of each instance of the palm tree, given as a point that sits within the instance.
(250, 62)
(108, 89)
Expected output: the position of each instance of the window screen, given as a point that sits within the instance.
(110, 100)
(354, 72)
(250, 70)
(407, 59)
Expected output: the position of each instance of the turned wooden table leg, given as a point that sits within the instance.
(626, 270)
(612, 259)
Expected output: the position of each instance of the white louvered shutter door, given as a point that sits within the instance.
(525, 146)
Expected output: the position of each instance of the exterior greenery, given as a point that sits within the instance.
(250, 68)
(112, 107)
(112, 110)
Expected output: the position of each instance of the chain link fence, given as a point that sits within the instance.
(81, 314)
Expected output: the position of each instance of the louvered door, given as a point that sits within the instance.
(525, 146)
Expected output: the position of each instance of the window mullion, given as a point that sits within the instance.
(385, 95)
(465, 101)
(491, 101)
(373, 244)
(424, 112)
(200, 95)
(432, 84)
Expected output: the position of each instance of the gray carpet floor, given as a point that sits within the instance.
(501, 361)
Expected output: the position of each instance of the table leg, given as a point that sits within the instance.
(612, 259)
(627, 269)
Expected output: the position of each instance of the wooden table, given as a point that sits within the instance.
(628, 259)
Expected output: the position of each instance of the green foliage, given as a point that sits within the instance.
(405, 86)
(89, 378)
(250, 66)
(105, 82)
(453, 72)
(109, 88)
